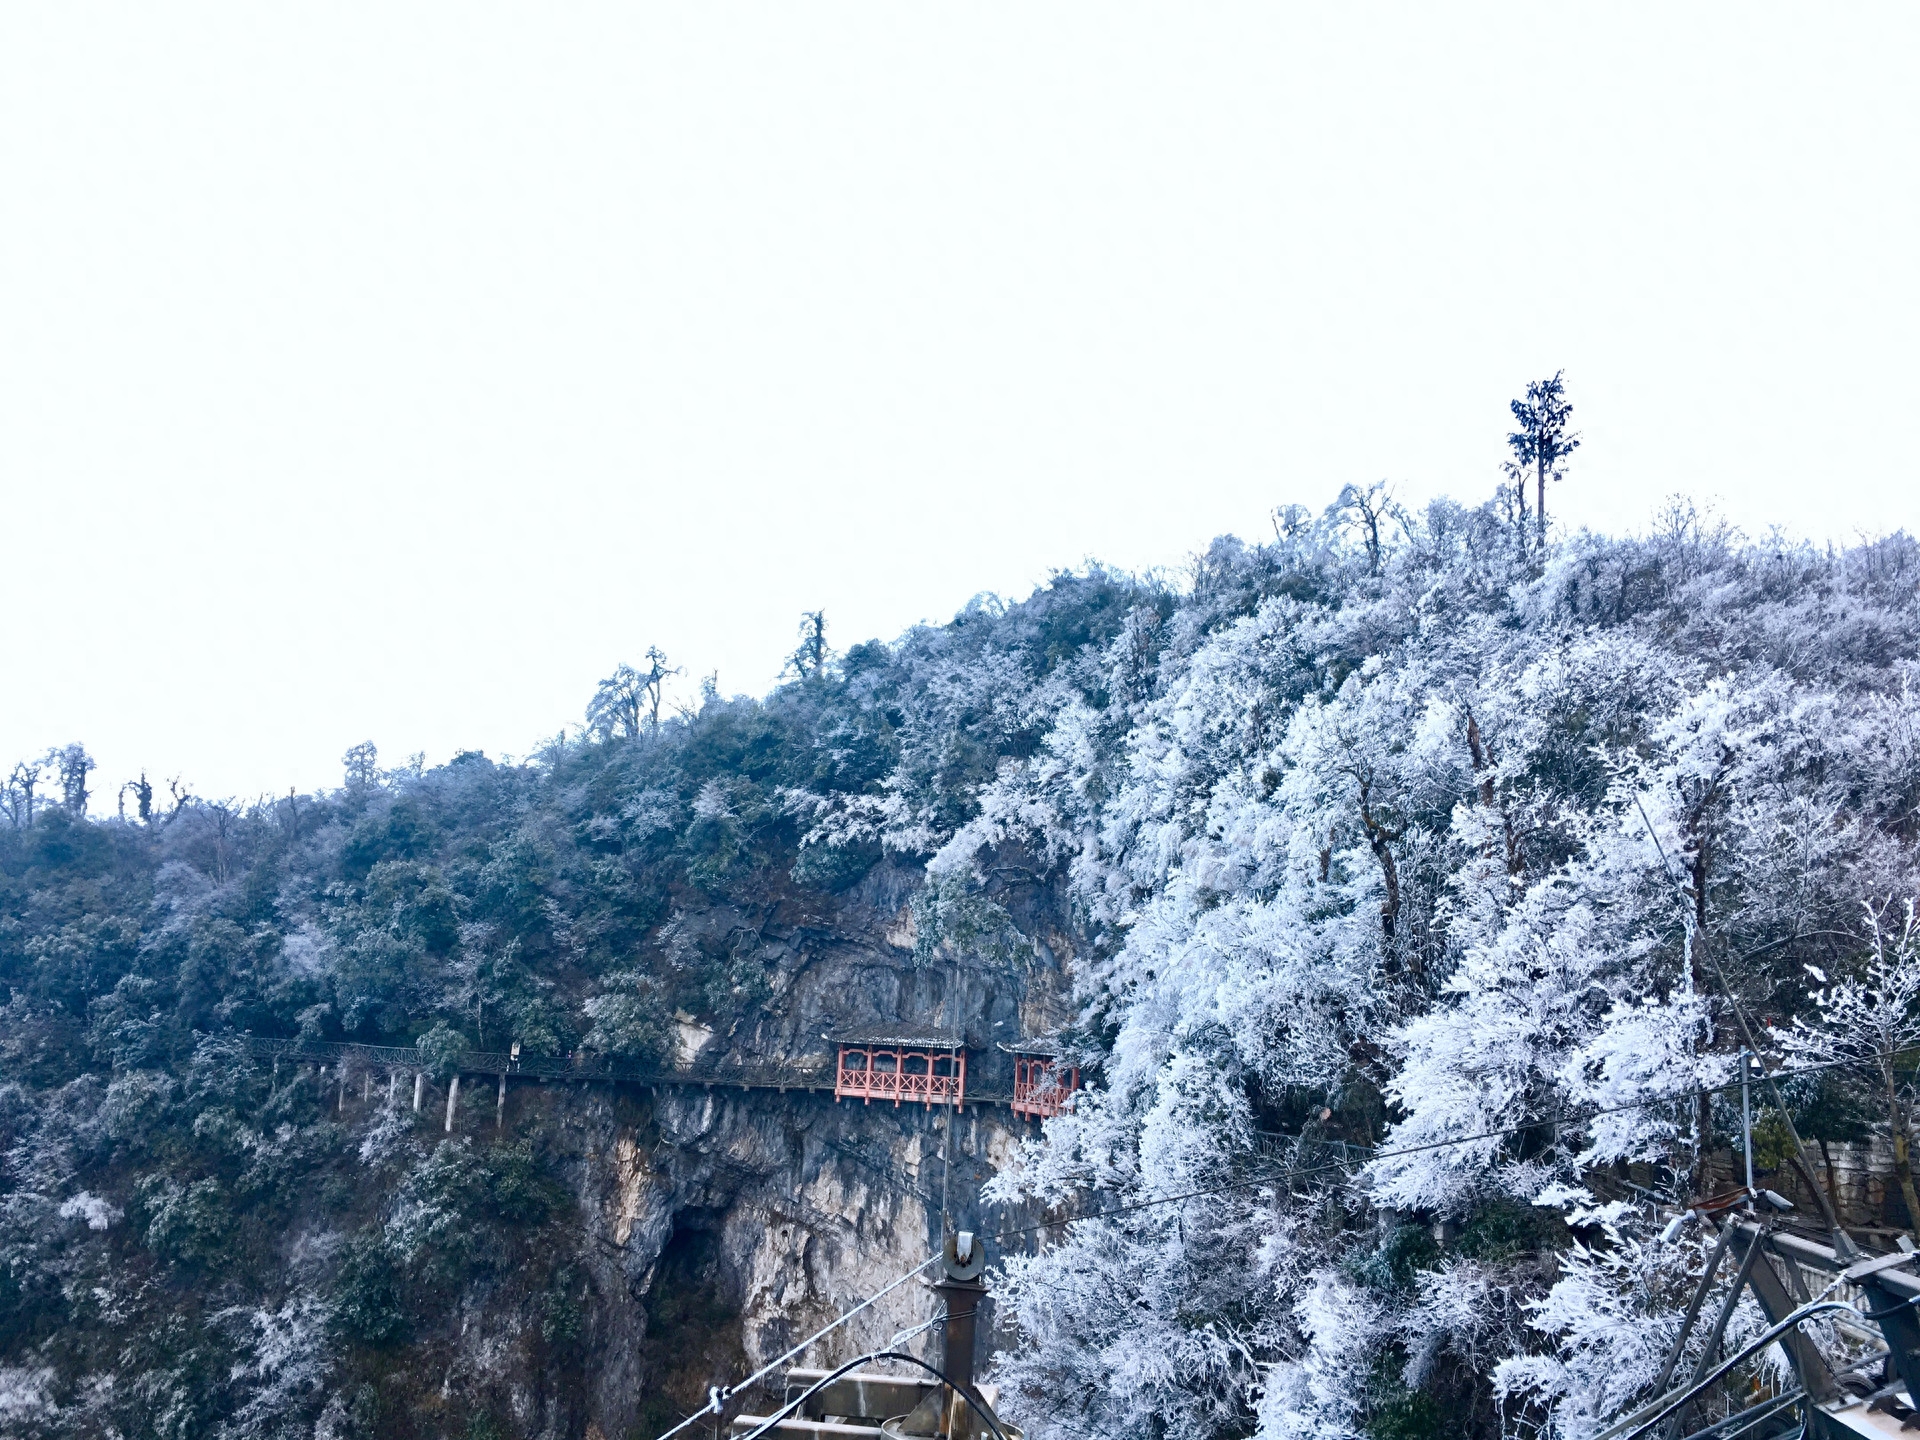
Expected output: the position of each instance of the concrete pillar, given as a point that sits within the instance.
(500, 1104)
(340, 1104)
(366, 1086)
(393, 1078)
(453, 1099)
(419, 1081)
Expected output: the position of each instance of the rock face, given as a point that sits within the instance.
(202, 1236)
(722, 1226)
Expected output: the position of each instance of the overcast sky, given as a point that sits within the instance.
(393, 370)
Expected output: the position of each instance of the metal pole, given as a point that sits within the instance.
(946, 1157)
(1746, 1114)
(1711, 1353)
(1693, 1309)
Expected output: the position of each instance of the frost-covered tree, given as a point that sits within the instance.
(1868, 1023)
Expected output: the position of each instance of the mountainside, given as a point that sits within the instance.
(1395, 883)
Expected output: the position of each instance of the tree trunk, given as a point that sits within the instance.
(1703, 1125)
(1540, 507)
(1833, 1191)
(1902, 1149)
(1482, 765)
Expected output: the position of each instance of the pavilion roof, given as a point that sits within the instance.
(1044, 1047)
(900, 1035)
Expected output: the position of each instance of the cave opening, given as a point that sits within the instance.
(693, 1339)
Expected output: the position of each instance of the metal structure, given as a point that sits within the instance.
(1044, 1080)
(942, 1404)
(925, 1067)
(1874, 1301)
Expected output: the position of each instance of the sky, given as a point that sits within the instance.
(392, 371)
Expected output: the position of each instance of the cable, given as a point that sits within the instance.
(718, 1396)
(1655, 1411)
(814, 1389)
(1744, 1420)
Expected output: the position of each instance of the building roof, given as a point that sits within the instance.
(900, 1035)
(1043, 1046)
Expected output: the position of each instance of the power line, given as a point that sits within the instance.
(718, 1396)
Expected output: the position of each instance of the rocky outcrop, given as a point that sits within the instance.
(721, 1226)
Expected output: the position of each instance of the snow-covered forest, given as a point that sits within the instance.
(1423, 871)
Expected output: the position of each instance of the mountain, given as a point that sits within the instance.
(1405, 887)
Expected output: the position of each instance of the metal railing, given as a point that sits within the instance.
(579, 1067)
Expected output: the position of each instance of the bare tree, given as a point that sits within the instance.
(19, 793)
(628, 701)
(1364, 509)
(1541, 445)
(223, 824)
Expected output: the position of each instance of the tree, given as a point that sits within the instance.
(809, 661)
(73, 764)
(19, 793)
(1871, 1021)
(1541, 445)
(1365, 509)
(629, 700)
(142, 790)
(363, 765)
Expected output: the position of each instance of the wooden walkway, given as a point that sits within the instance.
(564, 1069)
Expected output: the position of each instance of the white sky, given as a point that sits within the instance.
(393, 370)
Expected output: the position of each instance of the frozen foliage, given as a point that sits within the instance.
(1462, 847)
(87, 1206)
(1414, 868)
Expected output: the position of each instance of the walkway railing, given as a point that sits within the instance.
(861, 1077)
(815, 1079)
(1043, 1087)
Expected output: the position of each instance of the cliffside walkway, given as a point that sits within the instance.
(574, 1069)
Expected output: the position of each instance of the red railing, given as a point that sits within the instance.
(1041, 1088)
(869, 1075)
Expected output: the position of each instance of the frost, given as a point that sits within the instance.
(23, 1396)
(98, 1213)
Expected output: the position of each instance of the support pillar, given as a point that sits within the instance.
(419, 1082)
(393, 1079)
(340, 1102)
(453, 1099)
(964, 1258)
(500, 1104)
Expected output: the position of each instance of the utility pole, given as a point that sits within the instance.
(946, 1158)
(1746, 1113)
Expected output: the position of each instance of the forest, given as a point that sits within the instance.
(1428, 873)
